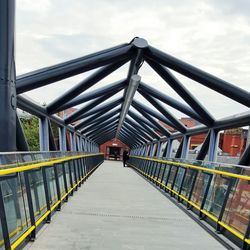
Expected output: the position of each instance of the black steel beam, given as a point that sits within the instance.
(170, 101)
(245, 158)
(143, 126)
(104, 132)
(64, 70)
(126, 140)
(139, 128)
(129, 143)
(98, 125)
(55, 105)
(99, 117)
(132, 136)
(117, 86)
(39, 111)
(133, 131)
(176, 123)
(103, 107)
(182, 91)
(140, 119)
(99, 130)
(206, 79)
(75, 116)
(147, 112)
(204, 148)
(107, 138)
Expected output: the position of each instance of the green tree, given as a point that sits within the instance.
(31, 130)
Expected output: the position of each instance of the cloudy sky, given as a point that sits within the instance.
(212, 35)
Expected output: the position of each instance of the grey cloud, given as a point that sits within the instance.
(212, 35)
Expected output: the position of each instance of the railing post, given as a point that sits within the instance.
(5, 231)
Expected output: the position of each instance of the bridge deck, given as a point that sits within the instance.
(117, 209)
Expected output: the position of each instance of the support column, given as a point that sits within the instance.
(79, 142)
(213, 145)
(158, 153)
(74, 141)
(63, 139)
(185, 146)
(44, 134)
(169, 148)
(7, 76)
(152, 146)
(71, 141)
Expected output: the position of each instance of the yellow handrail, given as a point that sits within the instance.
(238, 176)
(42, 164)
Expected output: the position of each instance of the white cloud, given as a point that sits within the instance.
(212, 35)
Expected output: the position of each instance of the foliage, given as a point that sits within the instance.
(30, 126)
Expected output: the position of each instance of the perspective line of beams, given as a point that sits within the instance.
(119, 85)
(76, 115)
(98, 118)
(83, 86)
(130, 92)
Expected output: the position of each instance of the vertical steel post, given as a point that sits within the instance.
(213, 145)
(158, 153)
(7, 76)
(169, 148)
(63, 139)
(71, 141)
(44, 134)
(144, 153)
(185, 146)
(152, 146)
(80, 143)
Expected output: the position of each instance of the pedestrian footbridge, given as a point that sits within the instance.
(163, 199)
(51, 203)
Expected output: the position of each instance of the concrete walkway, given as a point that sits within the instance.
(117, 209)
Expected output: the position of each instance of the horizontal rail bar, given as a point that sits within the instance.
(238, 176)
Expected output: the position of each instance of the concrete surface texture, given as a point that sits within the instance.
(117, 209)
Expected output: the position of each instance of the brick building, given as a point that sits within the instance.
(113, 149)
(195, 140)
(231, 141)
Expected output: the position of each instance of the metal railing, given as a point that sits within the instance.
(33, 186)
(218, 194)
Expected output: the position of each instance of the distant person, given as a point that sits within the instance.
(125, 158)
(115, 155)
